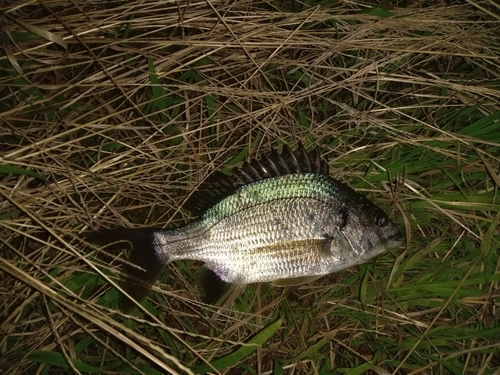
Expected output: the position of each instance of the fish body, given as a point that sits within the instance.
(281, 219)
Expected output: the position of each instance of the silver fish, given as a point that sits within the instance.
(281, 219)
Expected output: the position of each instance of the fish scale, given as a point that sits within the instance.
(232, 247)
(254, 218)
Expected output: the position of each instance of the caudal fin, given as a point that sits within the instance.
(146, 262)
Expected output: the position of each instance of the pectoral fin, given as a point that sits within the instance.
(214, 290)
(304, 252)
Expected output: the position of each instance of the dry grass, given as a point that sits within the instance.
(133, 103)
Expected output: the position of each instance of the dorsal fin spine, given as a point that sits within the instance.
(219, 186)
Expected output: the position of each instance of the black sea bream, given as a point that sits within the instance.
(281, 219)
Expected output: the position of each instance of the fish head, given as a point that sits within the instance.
(366, 230)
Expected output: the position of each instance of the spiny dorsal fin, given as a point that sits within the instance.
(219, 186)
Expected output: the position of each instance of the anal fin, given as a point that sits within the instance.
(214, 290)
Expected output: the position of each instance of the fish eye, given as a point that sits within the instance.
(380, 218)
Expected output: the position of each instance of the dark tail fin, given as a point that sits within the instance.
(146, 262)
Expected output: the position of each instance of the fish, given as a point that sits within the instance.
(280, 219)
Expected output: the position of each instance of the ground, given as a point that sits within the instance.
(114, 112)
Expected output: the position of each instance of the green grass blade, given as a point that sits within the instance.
(244, 351)
(11, 169)
(58, 360)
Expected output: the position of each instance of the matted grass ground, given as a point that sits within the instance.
(113, 112)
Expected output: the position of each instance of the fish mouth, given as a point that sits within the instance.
(395, 241)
